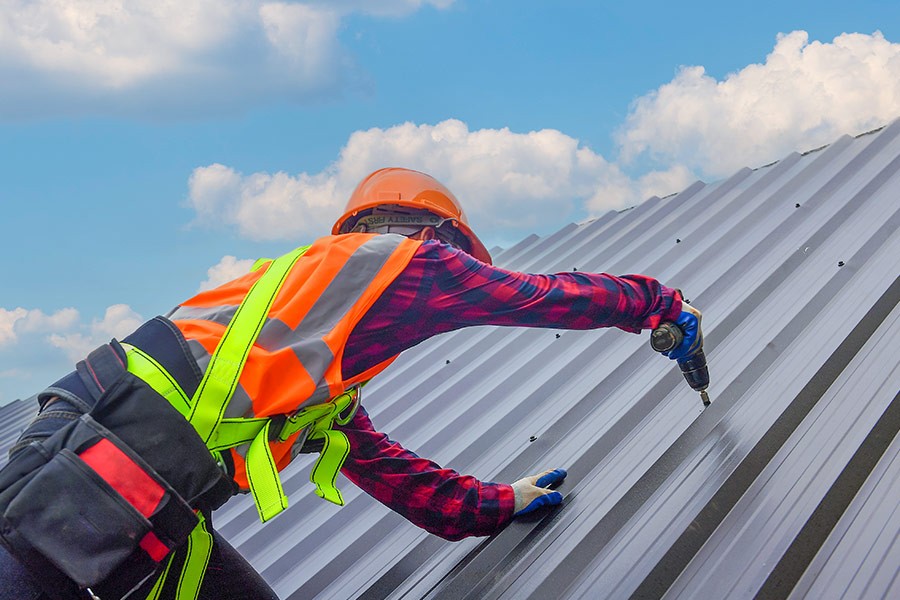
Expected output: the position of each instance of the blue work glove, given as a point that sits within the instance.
(689, 323)
(532, 493)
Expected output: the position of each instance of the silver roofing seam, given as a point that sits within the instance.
(860, 557)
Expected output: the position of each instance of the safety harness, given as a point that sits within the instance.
(206, 409)
(94, 501)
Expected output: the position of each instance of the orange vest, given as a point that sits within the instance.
(296, 360)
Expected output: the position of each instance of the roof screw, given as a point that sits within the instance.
(532, 439)
(448, 361)
(574, 268)
(797, 205)
(840, 263)
(557, 336)
(677, 240)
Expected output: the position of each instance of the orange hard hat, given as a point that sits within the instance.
(411, 189)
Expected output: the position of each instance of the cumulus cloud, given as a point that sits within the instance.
(806, 94)
(230, 267)
(36, 347)
(508, 182)
(118, 321)
(20, 320)
(144, 56)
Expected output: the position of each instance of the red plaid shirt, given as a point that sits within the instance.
(443, 289)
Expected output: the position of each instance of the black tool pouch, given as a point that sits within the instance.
(103, 501)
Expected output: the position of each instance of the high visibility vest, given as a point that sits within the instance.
(270, 345)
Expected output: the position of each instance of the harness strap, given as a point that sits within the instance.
(197, 553)
(199, 549)
(336, 447)
(221, 377)
(208, 404)
(229, 433)
(262, 473)
(145, 367)
(206, 409)
(333, 455)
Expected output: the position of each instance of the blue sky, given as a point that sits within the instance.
(150, 149)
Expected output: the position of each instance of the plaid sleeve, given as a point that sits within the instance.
(474, 293)
(443, 289)
(439, 500)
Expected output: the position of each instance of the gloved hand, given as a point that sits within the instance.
(689, 323)
(532, 493)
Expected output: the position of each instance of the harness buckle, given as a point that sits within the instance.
(321, 416)
(352, 408)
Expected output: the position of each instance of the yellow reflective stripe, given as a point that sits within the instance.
(157, 587)
(221, 376)
(199, 549)
(259, 263)
(145, 367)
(324, 472)
(197, 552)
(262, 475)
(234, 432)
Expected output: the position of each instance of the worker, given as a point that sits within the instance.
(225, 390)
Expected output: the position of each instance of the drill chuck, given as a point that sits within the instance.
(695, 371)
(669, 336)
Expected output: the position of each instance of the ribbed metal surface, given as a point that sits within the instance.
(787, 485)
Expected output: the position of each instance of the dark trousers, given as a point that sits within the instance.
(228, 577)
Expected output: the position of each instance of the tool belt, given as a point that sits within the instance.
(101, 501)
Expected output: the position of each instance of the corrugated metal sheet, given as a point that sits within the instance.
(787, 485)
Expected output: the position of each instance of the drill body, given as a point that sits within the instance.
(669, 336)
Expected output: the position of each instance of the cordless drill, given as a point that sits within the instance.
(669, 336)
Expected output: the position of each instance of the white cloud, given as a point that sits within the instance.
(304, 40)
(21, 321)
(262, 205)
(225, 270)
(508, 182)
(8, 319)
(140, 56)
(36, 348)
(805, 95)
(118, 321)
(616, 184)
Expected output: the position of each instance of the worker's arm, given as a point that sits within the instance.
(563, 301)
(473, 293)
(439, 500)
(443, 289)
